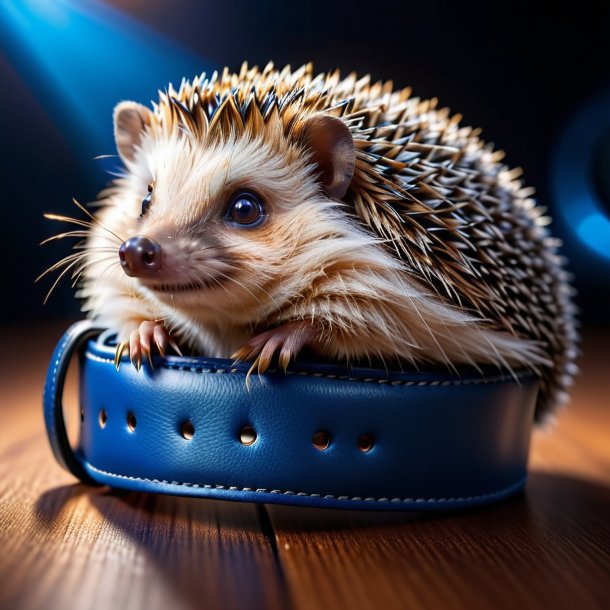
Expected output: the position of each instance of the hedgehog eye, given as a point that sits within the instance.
(246, 209)
(146, 201)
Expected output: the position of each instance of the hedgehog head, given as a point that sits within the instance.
(226, 179)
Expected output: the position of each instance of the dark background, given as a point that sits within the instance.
(521, 71)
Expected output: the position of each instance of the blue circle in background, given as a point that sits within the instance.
(573, 188)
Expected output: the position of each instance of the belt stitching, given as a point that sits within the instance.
(302, 493)
(398, 382)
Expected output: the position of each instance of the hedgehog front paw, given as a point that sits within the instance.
(143, 341)
(287, 339)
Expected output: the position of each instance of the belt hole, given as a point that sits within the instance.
(320, 440)
(187, 430)
(131, 421)
(102, 418)
(365, 443)
(247, 435)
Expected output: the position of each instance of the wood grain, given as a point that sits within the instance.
(66, 546)
(549, 548)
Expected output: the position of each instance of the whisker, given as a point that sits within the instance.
(90, 248)
(62, 274)
(84, 234)
(77, 273)
(94, 219)
(111, 266)
(64, 235)
(75, 221)
(93, 261)
(64, 261)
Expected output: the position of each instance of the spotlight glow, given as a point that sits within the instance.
(80, 57)
(595, 231)
(573, 188)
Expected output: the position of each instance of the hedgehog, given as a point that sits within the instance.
(268, 212)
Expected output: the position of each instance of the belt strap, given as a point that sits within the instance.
(319, 435)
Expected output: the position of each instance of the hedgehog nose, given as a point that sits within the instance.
(140, 256)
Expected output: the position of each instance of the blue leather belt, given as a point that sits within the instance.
(320, 435)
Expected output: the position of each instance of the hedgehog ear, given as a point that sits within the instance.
(130, 120)
(332, 148)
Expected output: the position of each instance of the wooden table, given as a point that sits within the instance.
(66, 546)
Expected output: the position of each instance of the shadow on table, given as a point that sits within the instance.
(197, 553)
(201, 545)
(545, 494)
(548, 497)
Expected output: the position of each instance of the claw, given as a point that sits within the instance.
(287, 339)
(174, 346)
(160, 339)
(144, 340)
(136, 361)
(249, 376)
(135, 349)
(118, 354)
(284, 359)
(243, 354)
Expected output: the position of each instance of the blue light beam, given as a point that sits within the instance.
(82, 57)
